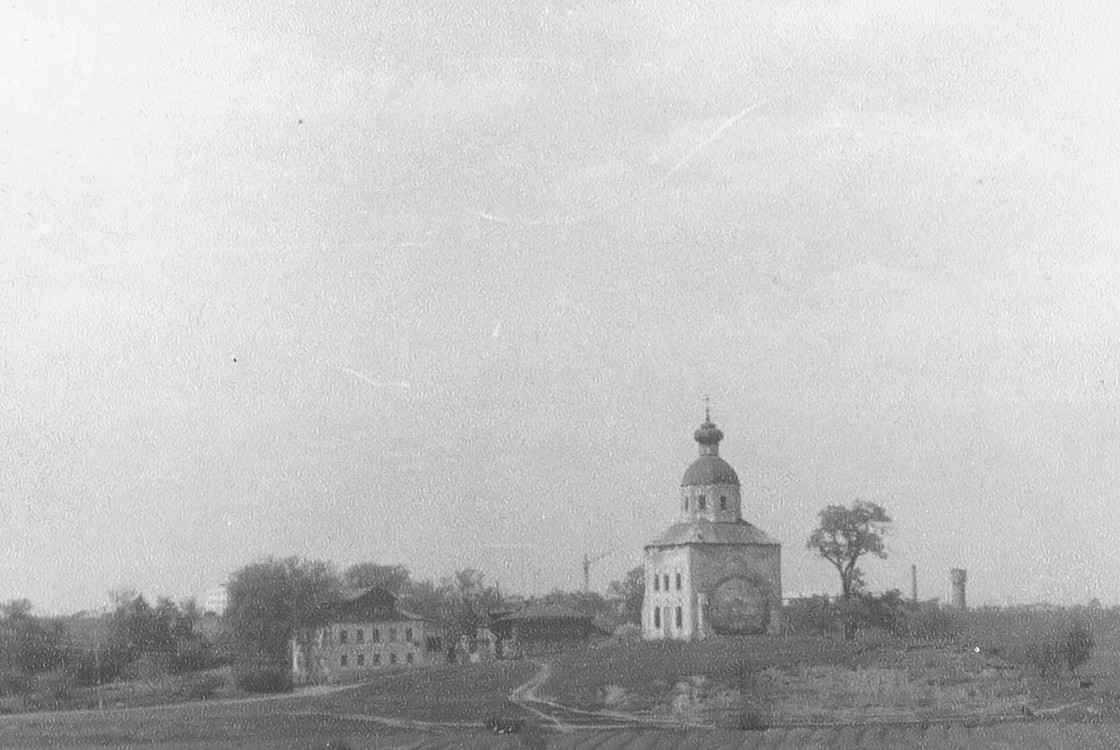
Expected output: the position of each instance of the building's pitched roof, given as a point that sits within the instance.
(375, 605)
(708, 532)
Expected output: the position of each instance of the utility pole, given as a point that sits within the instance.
(587, 561)
(97, 657)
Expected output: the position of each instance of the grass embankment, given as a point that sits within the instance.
(60, 694)
(809, 679)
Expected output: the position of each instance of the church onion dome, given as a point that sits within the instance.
(709, 470)
(708, 434)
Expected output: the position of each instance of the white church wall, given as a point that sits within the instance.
(668, 565)
(761, 565)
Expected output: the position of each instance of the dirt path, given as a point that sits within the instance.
(568, 719)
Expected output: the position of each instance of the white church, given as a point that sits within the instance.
(711, 572)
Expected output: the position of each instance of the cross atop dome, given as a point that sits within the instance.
(708, 435)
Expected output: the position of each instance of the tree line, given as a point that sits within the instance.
(270, 599)
(42, 659)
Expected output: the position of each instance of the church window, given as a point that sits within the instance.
(342, 660)
(392, 658)
(656, 582)
(392, 634)
(361, 636)
(408, 657)
(361, 660)
(408, 635)
(703, 502)
(377, 660)
(375, 636)
(678, 581)
(680, 618)
(343, 636)
(656, 619)
(722, 502)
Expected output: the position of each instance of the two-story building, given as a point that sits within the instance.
(348, 639)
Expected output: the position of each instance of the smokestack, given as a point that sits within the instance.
(959, 577)
(914, 583)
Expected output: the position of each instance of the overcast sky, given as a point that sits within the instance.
(882, 236)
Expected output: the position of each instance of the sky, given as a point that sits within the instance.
(445, 283)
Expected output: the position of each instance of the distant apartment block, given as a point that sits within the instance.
(217, 599)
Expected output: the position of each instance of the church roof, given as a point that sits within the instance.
(709, 470)
(708, 532)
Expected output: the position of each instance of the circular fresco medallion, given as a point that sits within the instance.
(738, 606)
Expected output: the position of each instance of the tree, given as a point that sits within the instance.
(472, 600)
(368, 575)
(587, 603)
(628, 594)
(842, 538)
(137, 630)
(269, 599)
(15, 608)
(1078, 646)
(28, 645)
(428, 600)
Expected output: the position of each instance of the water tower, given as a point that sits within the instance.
(959, 578)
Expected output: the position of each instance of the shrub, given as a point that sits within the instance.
(882, 611)
(14, 682)
(149, 667)
(1046, 656)
(262, 679)
(54, 687)
(203, 686)
(751, 721)
(815, 614)
(1078, 646)
(928, 620)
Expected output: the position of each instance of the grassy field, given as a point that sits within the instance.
(272, 724)
(807, 679)
(463, 693)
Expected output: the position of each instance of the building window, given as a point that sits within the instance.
(665, 581)
(392, 634)
(376, 636)
(392, 658)
(680, 618)
(408, 635)
(342, 660)
(722, 502)
(678, 581)
(343, 636)
(361, 636)
(703, 502)
(686, 503)
(408, 657)
(376, 659)
(657, 582)
(656, 619)
(362, 659)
